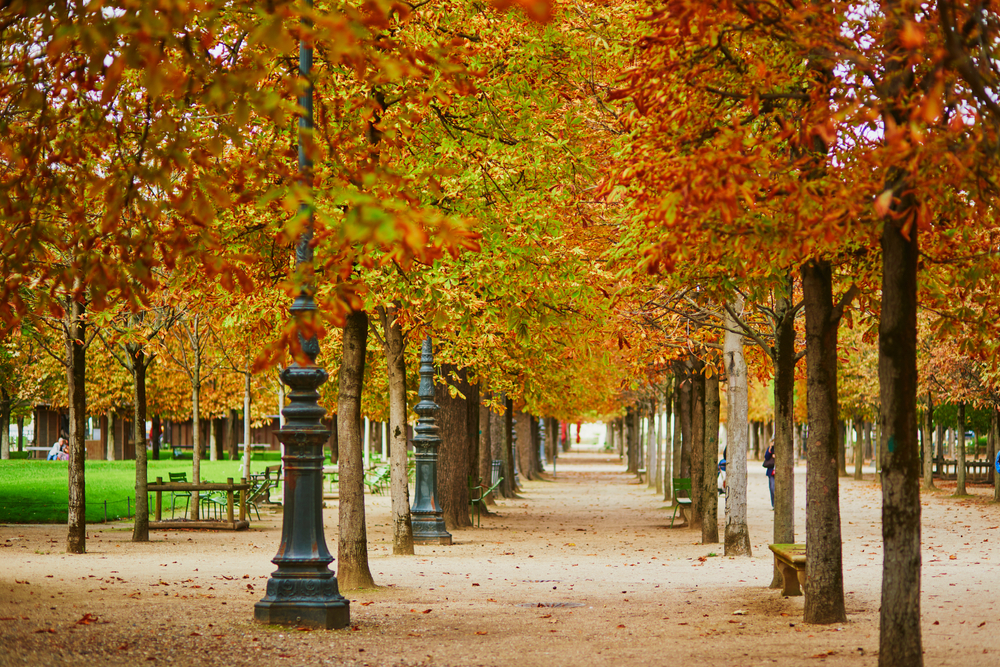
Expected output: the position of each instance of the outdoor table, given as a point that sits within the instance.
(159, 487)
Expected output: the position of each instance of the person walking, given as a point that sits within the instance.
(769, 469)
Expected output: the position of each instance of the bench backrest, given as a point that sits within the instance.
(682, 484)
(178, 476)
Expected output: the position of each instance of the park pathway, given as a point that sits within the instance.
(590, 544)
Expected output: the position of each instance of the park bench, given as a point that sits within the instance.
(641, 472)
(790, 560)
(681, 484)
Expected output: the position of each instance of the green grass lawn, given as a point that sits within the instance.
(35, 491)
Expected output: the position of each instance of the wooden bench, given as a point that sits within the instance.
(683, 504)
(790, 559)
(641, 472)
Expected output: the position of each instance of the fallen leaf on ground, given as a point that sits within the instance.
(45, 630)
(365, 604)
(481, 632)
(87, 619)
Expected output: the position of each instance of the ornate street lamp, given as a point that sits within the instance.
(426, 515)
(303, 590)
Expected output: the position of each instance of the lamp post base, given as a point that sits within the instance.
(429, 530)
(313, 603)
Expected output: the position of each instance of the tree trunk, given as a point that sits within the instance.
(500, 437)
(844, 432)
(20, 433)
(996, 447)
(5, 401)
(737, 534)
(697, 440)
(107, 436)
(140, 527)
(486, 450)
(960, 489)
(76, 375)
(399, 489)
(352, 545)
(858, 449)
(651, 442)
(683, 409)
(657, 472)
(709, 480)
(522, 430)
(454, 462)
(631, 440)
(510, 454)
(899, 637)
(195, 440)
(784, 421)
(155, 435)
(824, 588)
(669, 440)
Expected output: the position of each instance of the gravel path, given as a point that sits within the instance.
(641, 592)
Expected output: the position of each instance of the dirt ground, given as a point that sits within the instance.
(592, 535)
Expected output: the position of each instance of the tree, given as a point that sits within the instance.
(394, 344)
(352, 546)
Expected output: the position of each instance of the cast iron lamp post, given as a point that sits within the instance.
(303, 590)
(426, 515)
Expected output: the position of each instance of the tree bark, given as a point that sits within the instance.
(485, 450)
(652, 441)
(737, 536)
(899, 637)
(996, 447)
(697, 439)
(155, 434)
(669, 439)
(196, 437)
(960, 489)
(710, 487)
(499, 438)
(352, 545)
(631, 440)
(107, 436)
(683, 409)
(140, 527)
(510, 450)
(784, 421)
(454, 461)
(76, 375)
(858, 449)
(394, 348)
(824, 602)
(5, 403)
(522, 428)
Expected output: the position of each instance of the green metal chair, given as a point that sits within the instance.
(178, 495)
(680, 484)
(479, 491)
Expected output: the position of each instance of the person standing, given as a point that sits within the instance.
(769, 469)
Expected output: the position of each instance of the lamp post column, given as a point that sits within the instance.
(303, 590)
(426, 515)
